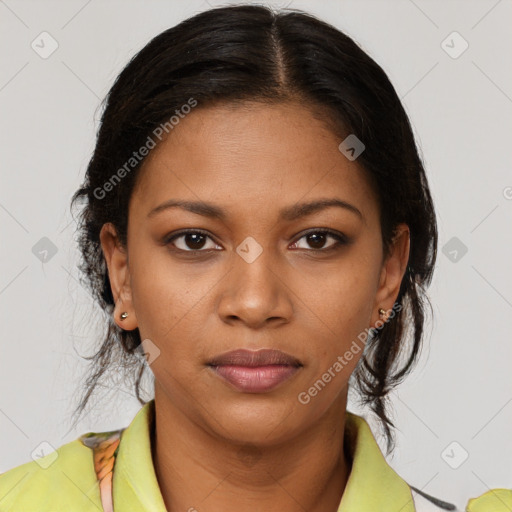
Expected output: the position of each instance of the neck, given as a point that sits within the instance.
(197, 469)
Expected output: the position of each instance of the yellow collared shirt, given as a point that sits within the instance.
(71, 477)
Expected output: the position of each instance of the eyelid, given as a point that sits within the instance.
(340, 238)
(168, 239)
(328, 231)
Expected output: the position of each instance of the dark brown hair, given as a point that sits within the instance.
(253, 53)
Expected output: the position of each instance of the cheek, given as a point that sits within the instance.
(343, 297)
(159, 297)
(169, 301)
(343, 310)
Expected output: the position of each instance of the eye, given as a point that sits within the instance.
(196, 240)
(192, 241)
(318, 238)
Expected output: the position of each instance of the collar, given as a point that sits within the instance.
(135, 486)
(372, 483)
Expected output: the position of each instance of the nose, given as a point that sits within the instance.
(255, 293)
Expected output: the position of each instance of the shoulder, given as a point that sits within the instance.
(495, 500)
(63, 479)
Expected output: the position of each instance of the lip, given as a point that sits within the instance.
(255, 371)
(253, 358)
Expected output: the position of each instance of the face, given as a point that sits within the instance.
(253, 270)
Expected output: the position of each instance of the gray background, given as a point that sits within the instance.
(461, 111)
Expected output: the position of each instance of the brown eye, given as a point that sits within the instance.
(190, 241)
(316, 240)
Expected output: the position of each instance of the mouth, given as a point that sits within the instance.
(251, 358)
(254, 371)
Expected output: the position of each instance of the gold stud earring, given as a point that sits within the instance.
(124, 315)
(382, 311)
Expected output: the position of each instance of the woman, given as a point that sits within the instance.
(259, 229)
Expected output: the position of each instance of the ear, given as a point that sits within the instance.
(116, 258)
(392, 273)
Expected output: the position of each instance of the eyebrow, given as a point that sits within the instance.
(289, 213)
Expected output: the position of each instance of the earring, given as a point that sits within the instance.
(124, 315)
(382, 314)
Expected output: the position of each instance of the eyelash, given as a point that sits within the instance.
(340, 238)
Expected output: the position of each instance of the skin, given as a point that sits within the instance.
(217, 448)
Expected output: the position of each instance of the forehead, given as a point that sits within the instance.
(251, 154)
